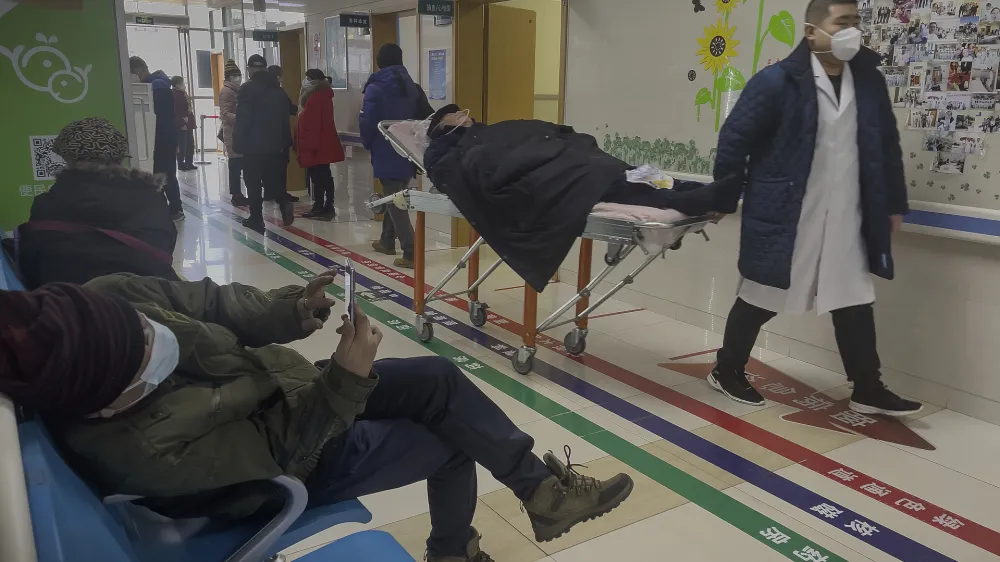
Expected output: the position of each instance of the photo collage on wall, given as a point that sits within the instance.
(941, 61)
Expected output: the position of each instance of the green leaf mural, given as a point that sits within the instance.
(731, 80)
(701, 98)
(782, 28)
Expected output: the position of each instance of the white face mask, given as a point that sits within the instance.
(236, 80)
(844, 45)
(163, 359)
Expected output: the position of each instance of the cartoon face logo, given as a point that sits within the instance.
(46, 69)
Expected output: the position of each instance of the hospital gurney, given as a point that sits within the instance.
(654, 231)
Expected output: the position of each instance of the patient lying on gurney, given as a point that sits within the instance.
(528, 187)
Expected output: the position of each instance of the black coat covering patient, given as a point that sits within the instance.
(528, 187)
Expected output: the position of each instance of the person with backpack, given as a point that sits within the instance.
(391, 94)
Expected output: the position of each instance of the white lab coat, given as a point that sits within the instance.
(829, 263)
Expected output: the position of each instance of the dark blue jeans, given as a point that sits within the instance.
(426, 421)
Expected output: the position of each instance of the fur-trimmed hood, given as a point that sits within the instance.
(314, 86)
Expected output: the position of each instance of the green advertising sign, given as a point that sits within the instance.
(444, 8)
(56, 66)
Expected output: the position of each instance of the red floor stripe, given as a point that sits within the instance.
(937, 517)
(610, 314)
(695, 354)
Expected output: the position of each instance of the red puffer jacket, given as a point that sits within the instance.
(316, 139)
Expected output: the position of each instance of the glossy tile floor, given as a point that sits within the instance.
(715, 480)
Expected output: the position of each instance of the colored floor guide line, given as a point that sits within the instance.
(778, 537)
(927, 512)
(878, 536)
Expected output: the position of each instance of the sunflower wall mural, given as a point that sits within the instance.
(634, 67)
(717, 49)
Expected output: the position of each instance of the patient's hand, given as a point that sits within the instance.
(314, 300)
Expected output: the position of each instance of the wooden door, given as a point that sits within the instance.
(510, 63)
(292, 47)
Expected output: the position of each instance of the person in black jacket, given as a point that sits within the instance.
(165, 145)
(263, 134)
(99, 217)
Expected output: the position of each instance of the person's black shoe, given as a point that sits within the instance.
(240, 200)
(293, 199)
(287, 213)
(256, 225)
(736, 387)
(319, 214)
(881, 400)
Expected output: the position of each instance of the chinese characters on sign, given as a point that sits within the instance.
(444, 8)
(32, 190)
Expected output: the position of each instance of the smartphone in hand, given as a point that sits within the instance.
(349, 290)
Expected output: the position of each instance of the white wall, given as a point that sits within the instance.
(939, 321)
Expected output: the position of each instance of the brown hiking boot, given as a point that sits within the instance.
(472, 552)
(403, 263)
(379, 247)
(569, 498)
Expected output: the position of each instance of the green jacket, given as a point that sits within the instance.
(238, 410)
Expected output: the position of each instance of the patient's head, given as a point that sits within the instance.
(67, 351)
(447, 119)
(90, 141)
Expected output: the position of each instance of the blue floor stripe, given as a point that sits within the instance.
(829, 512)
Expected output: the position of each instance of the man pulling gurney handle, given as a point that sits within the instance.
(527, 187)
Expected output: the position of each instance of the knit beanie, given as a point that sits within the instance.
(93, 139)
(67, 351)
(389, 54)
(231, 69)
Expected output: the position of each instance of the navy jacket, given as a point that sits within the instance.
(390, 95)
(769, 139)
(163, 107)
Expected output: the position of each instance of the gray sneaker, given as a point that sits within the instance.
(472, 552)
(569, 498)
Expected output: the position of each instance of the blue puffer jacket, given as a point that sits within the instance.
(389, 95)
(769, 139)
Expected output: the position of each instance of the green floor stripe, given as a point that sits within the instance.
(765, 530)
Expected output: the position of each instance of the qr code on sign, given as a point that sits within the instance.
(45, 163)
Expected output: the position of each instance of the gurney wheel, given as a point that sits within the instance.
(426, 333)
(525, 367)
(478, 316)
(379, 209)
(575, 344)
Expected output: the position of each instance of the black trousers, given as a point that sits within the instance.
(235, 173)
(164, 162)
(321, 180)
(854, 328)
(185, 148)
(426, 421)
(264, 175)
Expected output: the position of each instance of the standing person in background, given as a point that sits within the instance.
(283, 195)
(317, 143)
(391, 94)
(815, 139)
(262, 134)
(184, 117)
(227, 111)
(165, 144)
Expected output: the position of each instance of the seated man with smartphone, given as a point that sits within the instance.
(183, 393)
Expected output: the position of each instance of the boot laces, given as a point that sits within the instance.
(574, 481)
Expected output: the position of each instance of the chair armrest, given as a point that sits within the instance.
(297, 498)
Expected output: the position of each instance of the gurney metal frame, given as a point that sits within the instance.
(622, 237)
(428, 202)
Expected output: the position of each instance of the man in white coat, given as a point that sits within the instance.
(816, 141)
